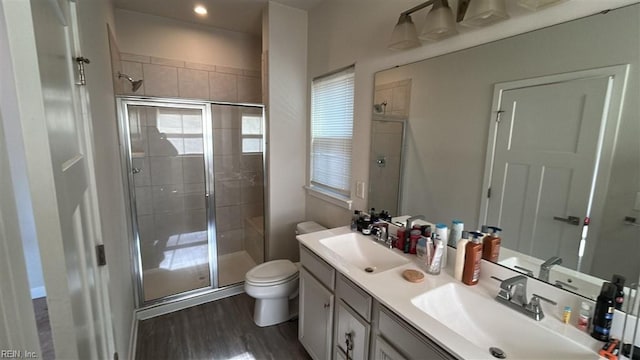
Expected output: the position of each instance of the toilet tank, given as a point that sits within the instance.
(308, 227)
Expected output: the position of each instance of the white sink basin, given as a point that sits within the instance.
(362, 252)
(486, 323)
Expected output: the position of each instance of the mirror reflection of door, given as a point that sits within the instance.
(544, 165)
(386, 162)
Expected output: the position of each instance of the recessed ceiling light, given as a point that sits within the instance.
(200, 10)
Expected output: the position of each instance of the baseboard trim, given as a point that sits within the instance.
(162, 309)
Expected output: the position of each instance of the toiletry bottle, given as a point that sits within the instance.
(603, 315)
(401, 235)
(618, 281)
(443, 234)
(584, 316)
(421, 249)
(461, 248)
(456, 232)
(566, 314)
(354, 220)
(491, 245)
(472, 257)
(415, 235)
(436, 261)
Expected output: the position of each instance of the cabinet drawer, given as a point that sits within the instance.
(354, 296)
(318, 268)
(353, 330)
(407, 340)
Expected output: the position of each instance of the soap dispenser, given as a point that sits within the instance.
(491, 244)
(472, 257)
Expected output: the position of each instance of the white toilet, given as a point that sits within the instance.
(274, 285)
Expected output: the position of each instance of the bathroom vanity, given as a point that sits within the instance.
(347, 312)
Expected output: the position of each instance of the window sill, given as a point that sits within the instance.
(332, 198)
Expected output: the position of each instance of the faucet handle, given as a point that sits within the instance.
(534, 306)
(535, 300)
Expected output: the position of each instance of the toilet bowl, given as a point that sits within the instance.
(274, 286)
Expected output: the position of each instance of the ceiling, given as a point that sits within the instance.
(237, 15)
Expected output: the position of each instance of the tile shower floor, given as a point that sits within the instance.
(232, 267)
(162, 282)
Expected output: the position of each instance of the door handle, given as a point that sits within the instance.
(572, 220)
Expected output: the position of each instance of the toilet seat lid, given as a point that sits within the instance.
(272, 271)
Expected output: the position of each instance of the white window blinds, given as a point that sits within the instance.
(332, 130)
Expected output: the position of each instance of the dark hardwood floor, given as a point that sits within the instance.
(222, 329)
(44, 328)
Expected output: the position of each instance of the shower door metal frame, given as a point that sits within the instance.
(123, 102)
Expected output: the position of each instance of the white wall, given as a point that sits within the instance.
(171, 39)
(336, 39)
(93, 17)
(285, 45)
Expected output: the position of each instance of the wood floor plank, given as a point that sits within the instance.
(222, 329)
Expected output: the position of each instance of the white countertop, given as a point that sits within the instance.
(392, 290)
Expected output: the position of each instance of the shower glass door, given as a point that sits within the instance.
(238, 148)
(169, 193)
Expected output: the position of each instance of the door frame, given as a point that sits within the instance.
(609, 126)
(127, 176)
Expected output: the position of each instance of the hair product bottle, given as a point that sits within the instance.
(443, 234)
(472, 257)
(456, 232)
(491, 245)
(618, 281)
(604, 312)
(461, 248)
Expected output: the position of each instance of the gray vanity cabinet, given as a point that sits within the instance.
(315, 327)
(397, 340)
(353, 313)
(339, 320)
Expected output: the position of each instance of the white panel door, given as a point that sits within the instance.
(546, 143)
(70, 149)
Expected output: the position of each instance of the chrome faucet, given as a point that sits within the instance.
(546, 266)
(380, 231)
(513, 293)
(412, 219)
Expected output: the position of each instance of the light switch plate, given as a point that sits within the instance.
(360, 189)
(636, 207)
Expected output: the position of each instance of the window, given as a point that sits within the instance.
(251, 133)
(332, 131)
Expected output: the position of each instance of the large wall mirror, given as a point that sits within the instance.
(550, 121)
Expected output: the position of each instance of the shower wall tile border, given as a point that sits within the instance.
(192, 80)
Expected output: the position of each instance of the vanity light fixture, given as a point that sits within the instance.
(439, 24)
(484, 12)
(200, 10)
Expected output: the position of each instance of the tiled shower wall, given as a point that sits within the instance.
(239, 185)
(182, 79)
(396, 95)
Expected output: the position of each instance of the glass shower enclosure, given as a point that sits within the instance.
(195, 178)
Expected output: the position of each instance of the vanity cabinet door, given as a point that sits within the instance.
(384, 351)
(316, 317)
(352, 333)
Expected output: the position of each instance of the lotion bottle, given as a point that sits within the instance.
(443, 234)
(491, 245)
(472, 257)
(461, 248)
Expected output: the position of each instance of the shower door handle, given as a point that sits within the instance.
(206, 200)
